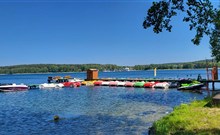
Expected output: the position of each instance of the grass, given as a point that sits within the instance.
(199, 118)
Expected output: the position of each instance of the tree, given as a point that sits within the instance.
(200, 14)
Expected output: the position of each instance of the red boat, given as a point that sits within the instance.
(129, 84)
(67, 83)
(113, 83)
(97, 83)
(149, 84)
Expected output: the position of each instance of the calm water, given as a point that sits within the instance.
(89, 110)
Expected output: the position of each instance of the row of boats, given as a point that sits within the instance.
(132, 84)
(60, 82)
(164, 85)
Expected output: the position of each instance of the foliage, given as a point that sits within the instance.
(189, 120)
(45, 68)
(185, 65)
(200, 14)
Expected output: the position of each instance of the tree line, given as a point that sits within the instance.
(53, 68)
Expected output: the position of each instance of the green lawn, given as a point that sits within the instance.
(193, 119)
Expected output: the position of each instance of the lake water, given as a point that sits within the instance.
(91, 110)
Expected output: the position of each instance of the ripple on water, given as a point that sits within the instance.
(87, 110)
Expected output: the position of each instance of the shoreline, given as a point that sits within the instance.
(109, 71)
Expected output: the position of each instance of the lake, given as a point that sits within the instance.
(90, 109)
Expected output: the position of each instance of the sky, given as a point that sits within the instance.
(91, 31)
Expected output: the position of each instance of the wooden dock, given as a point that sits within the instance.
(207, 82)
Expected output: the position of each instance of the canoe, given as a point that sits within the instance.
(105, 83)
(139, 84)
(113, 83)
(149, 84)
(98, 83)
(129, 84)
(121, 84)
(163, 85)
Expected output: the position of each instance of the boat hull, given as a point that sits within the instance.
(13, 87)
(192, 87)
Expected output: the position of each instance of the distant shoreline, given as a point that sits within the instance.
(103, 71)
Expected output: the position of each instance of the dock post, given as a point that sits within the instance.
(207, 85)
(213, 86)
(155, 72)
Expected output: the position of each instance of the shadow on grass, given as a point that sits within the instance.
(198, 132)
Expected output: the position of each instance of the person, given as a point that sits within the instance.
(199, 78)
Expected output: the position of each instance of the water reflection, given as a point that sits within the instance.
(87, 110)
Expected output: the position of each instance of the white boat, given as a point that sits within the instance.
(105, 83)
(121, 84)
(13, 87)
(163, 85)
(75, 80)
(51, 85)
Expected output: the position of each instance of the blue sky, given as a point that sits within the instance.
(92, 31)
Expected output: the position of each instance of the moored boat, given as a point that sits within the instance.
(191, 86)
(65, 81)
(121, 84)
(98, 83)
(139, 84)
(129, 84)
(163, 85)
(105, 83)
(149, 84)
(51, 85)
(13, 87)
(113, 83)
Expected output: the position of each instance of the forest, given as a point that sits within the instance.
(53, 68)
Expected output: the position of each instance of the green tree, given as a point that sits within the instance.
(200, 14)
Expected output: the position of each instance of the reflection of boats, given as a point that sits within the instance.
(191, 86)
(13, 87)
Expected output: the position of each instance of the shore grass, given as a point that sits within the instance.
(198, 117)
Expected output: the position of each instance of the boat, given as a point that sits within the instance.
(113, 83)
(13, 87)
(105, 83)
(97, 83)
(163, 85)
(191, 86)
(139, 84)
(121, 84)
(174, 84)
(129, 84)
(51, 85)
(75, 80)
(68, 83)
(33, 86)
(149, 84)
